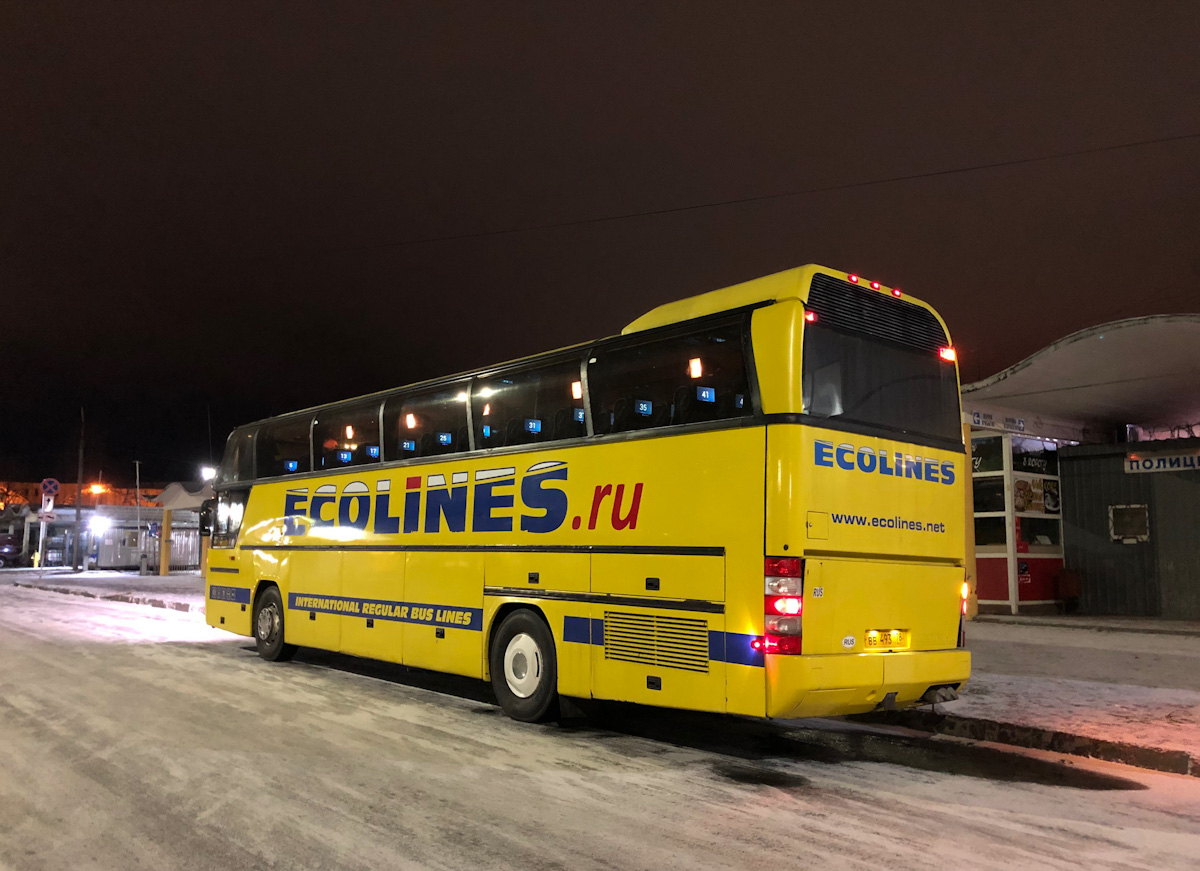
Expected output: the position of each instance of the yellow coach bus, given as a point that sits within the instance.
(750, 501)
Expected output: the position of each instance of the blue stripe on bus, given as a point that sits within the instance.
(451, 616)
(732, 647)
(738, 650)
(577, 630)
(240, 595)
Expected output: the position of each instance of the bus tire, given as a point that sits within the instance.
(268, 627)
(524, 668)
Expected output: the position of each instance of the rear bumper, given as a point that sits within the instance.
(824, 686)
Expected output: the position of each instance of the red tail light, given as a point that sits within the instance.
(783, 605)
(784, 566)
(948, 354)
(811, 317)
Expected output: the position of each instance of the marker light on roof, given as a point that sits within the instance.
(695, 369)
(874, 285)
(948, 354)
(811, 317)
(853, 279)
(895, 291)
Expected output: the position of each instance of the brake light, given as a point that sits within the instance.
(948, 354)
(783, 605)
(769, 644)
(789, 605)
(966, 594)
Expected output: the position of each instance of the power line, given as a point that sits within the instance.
(579, 222)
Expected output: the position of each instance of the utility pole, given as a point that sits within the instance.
(79, 497)
(137, 476)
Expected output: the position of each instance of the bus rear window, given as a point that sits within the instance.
(861, 379)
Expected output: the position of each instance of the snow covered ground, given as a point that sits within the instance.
(1118, 686)
(1166, 719)
(118, 750)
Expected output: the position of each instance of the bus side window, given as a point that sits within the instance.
(428, 423)
(283, 447)
(530, 406)
(237, 464)
(677, 379)
(347, 437)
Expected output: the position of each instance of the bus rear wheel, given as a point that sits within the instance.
(524, 668)
(268, 627)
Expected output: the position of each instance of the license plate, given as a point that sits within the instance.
(878, 639)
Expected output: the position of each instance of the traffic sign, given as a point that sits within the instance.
(45, 516)
(49, 487)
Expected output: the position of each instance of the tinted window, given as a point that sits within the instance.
(689, 378)
(865, 380)
(428, 423)
(347, 437)
(283, 447)
(238, 462)
(537, 405)
(988, 494)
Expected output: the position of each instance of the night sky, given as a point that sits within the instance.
(230, 210)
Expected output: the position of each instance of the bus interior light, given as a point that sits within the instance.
(948, 354)
(577, 390)
(695, 368)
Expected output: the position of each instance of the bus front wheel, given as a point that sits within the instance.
(524, 668)
(268, 627)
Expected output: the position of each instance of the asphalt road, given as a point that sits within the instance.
(138, 737)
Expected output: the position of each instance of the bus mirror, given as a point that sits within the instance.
(206, 516)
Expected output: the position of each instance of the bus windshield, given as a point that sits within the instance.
(869, 381)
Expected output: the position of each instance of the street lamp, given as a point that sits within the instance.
(207, 473)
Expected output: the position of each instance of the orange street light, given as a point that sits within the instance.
(97, 489)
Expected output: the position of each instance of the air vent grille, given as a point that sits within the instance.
(668, 642)
(845, 306)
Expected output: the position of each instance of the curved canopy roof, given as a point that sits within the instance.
(1143, 371)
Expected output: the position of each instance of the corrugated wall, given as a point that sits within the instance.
(1117, 578)
(1175, 534)
(1156, 578)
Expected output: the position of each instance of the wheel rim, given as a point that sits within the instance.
(523, 666)
(268, 623)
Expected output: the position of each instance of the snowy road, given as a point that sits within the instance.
(138, 737)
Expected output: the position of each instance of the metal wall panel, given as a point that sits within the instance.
(1117, 578)
(1175, 534)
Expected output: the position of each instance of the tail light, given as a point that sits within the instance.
(962, 616)
(783, 606)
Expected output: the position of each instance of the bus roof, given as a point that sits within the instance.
(779, 286)
(789, 284)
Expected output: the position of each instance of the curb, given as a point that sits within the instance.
(1000, 619)
(1151, 758)
(116, 597)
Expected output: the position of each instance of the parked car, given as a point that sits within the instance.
(10, 550)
